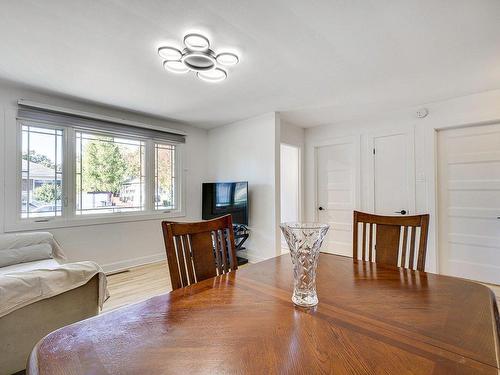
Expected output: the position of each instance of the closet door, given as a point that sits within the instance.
(469, 202)
(390, 173)
(337, 168)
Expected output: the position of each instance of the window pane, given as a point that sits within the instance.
(165, 197)
(109, 174)
(41, 174)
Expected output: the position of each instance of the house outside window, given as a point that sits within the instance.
(41, 172)
(110, 174)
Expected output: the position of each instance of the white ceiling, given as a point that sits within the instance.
(314, 61)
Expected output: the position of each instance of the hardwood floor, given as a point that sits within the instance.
(137, 284)
(150, 280)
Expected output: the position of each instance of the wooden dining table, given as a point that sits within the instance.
(371, 319)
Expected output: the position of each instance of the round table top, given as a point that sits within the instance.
(370, 319)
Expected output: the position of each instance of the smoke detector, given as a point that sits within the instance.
(422, 112)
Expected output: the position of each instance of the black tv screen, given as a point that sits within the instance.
(222, 198)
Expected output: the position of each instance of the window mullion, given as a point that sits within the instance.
(149, 176)
(69, 173)
(179, 178)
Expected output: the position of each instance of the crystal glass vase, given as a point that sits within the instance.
(304, 241)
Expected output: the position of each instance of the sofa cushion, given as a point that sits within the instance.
(19, 240)
(45, 264)
(25, 254)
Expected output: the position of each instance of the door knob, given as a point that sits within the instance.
(320, 208)
(402, 212)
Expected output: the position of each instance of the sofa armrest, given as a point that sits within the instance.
(20, 332)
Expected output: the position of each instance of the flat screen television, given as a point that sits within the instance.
(222, 198)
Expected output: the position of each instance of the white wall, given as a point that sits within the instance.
(290, 181)
(292, 134)
(289, 186)
(249, 151)
(295, 136)
(119, 245)
(467, 110)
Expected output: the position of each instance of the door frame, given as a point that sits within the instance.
(354, 140)
(369, 161)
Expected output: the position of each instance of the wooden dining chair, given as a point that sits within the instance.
(384, 239)
(199, 251)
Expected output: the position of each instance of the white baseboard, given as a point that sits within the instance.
(134, 262)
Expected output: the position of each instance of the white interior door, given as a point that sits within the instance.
(336, 183)
(469, 202)
(392, 177)
(290, 186)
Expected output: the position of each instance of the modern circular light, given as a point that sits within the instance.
(214, 75)
(227, 58)
(197, 56)
(198, 61)
(175, 66)
(169, 53)
(196, 42)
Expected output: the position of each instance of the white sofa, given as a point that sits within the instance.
(40, 292)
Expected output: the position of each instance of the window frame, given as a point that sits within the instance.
(19, 154)
(68, 218)
(177, 176)
(74, 174)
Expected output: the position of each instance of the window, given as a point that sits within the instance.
(110, 174)
(165, 192)
(71, 171)
(41, 172)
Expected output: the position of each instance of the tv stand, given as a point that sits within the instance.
(241, 234)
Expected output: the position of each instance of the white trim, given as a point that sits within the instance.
(3, 144)
(69, 173)
(90, 220)
(432, 199)
(124, 265)
(181, 175)
(53, 108)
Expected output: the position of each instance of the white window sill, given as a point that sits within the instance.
(52, 223)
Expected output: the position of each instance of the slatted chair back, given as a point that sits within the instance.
(394, 240)
(199, 251)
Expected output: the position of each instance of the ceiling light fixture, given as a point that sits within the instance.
(198, 61)
(175, 66)
(196, 42)
(197, 57)
(214, 75)
(169, 53)
(227, 59)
